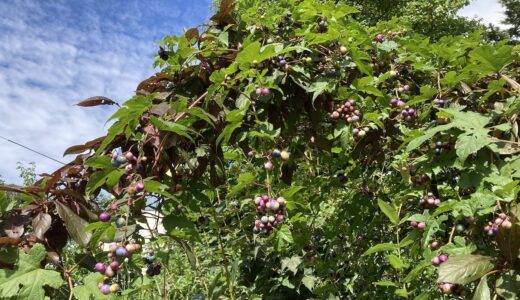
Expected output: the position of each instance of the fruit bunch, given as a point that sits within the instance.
(439, 259)
(262, 91)
(404, 88)
(439, 146)
(409, 114)
(153, 268)
(448, 288)
(429, 201)
(271, 211)
(501, 222)
(117, 255)
(118, 159)
(439, 102)
(418, 225)
(347, 111)
(360, 132)
(397, 102)
(283, 155)
(282, 62)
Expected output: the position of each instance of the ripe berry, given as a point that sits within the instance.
(460, 228)
(121, 251)
(281, 201)
(114, 265)
(139, 187)
(436, 261)
(162, 54)
(421, 225)
(121, 159)
(443, 258)
(343, 49)
(250, 154)
(413, 224)
(258, 91)
(104, 216)
(105, 289)
(406, 87)
(265, 219)
(265, 91)
(507, 224)
(379, 38)
(276, 153)
(129, 156)
(268, 165)
(109, 272)
(100, 267)
(113, 206)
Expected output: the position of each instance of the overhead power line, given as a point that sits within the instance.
(37, 152)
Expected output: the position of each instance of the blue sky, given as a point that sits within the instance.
(54, 54)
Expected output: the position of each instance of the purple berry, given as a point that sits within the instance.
(436, 261)
(394, 102)
(139, 187)
(104, 216)
(406, 87)
(113, 206)
(265, 91)
(258, 91)
(100, 267)
(413, 224)
(250, 154)
(114, 265)
(380, 37)
(121, 252)
(400, 103)
(105, 289)
(443, 258)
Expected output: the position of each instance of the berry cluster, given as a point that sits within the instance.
(153, 269)
(439, 259)
(429, 200)
(117, 254)
(273, 213)
(282, 63)
(284, 155)
(360, 132)
(397, 102)
(347, 111)
(379, 38)
(262, 91)
(501, 222)
(127, 159)
(321, 27)
(440, 145)
(448, 288)
(404, 88)
(439, 102)
(409, 114)
(418, 225)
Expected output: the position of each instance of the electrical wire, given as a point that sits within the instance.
(39, 153)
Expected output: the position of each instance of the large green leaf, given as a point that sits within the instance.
(389, 211)
(491, 59)
(27, 280)
(482, 291)
(292, 263)
(463, 269)
(469, 144)
(381, 247)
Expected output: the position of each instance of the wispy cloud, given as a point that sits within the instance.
(54, 54)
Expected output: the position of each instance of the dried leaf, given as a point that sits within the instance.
(96, 100)
(41, 224)
(224, 15)
(90, 145)
(192, 33)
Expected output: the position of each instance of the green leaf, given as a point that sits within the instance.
(469, 144)
(291, 264)
(491, 59)
(75, 224)
(482, 291)
(176, 128)
(385, 283)
(416, 142)
(27, 280)
(309, 282)
(508, 286)
(463, 269)
(244, 181)
(283, 237)
(108, 176)
(396, 262)
(389, 211)
(380, 248)
(180, 226)
(387, 46)
(89, 289)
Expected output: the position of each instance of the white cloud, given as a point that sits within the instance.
(54, 54)
(490, 11)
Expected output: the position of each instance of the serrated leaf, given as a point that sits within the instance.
(291, 264)
(244, 181)
(309, 282)
(428, 134)
(389, 211)
(469, 144)
(283, 237)
(463, 269)
(380, 248)
(27, 280)
(482, 291)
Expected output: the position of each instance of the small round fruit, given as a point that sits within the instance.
(502, 216)
(150, 258)
(343, 49)
(421, 225)
(436, 261)
(276, 153)
(506, 224)
(105, 289)
(258, 91)
(104, 216)
(362, 133)
(380, 37)
(265, 219)
(113, 206)
(281, 201)
(434, 245)
(393, 73)
(109, 272)
(268, 165)
(131, 190)
(406, 87)
(139, 187)
(460, 228)
(114, 265)
(120, 222)
(308, 59)
(121, 251)
(413, 224)
(130, 248)
(114, 288)
(443, 258)
(266, 91)
(274, 205)
(272, 219)
(100, 267)
(284, 155)
(129, 156)
(121, 159)
(250, 154)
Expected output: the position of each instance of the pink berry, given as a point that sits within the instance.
(436, 261)
(443, 258)
(139, 187)
(268, 165)
(114, 265)
(113, 206)
(105, 289)
(104, 216)
(413, 224)
(258, 91)
(265, 91)
(100, 267)
(250, 154)
(506, 224)
(421, 225)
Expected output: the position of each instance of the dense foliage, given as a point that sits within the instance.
(290, 152)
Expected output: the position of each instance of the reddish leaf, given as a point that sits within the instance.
(224, 14)
(95, 101)
(156, 83)
(8, 241)
(41, 224)
(192, 33)
(90, 145)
